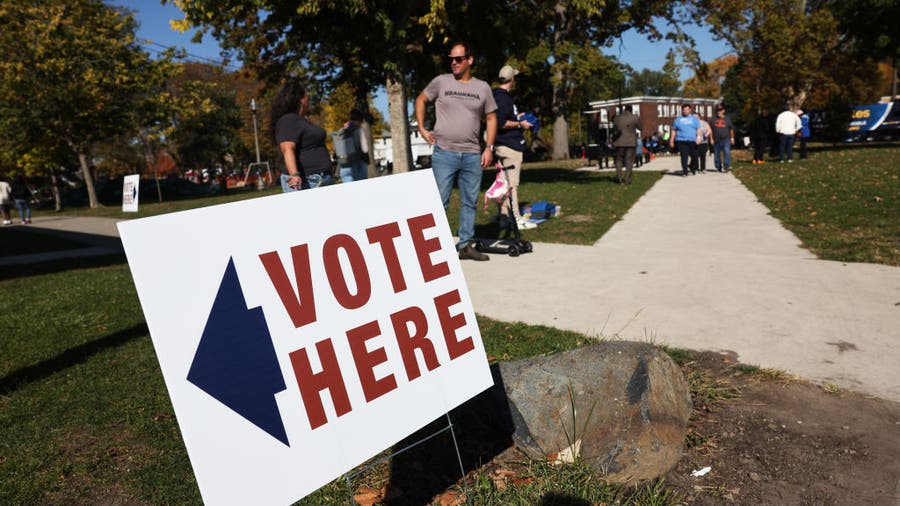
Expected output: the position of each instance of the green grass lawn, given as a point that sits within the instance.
(842, 202)
(591, 203)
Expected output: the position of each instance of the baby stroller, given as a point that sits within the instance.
(509, 240)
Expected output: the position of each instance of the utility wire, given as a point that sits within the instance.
(159, 48)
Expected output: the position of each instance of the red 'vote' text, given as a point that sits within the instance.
(409, 327)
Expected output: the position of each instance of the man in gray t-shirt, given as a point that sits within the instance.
(460, 102)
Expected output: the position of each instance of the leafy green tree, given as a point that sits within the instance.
(790, 52)
(654, 83)
(205, 120)
(565, 27)
(708, 78)
(362, 42)
(70, 71)
(871, 26)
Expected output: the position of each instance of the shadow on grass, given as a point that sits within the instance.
(539, 176)
(483, 428)
(71, 357)
(64, 264)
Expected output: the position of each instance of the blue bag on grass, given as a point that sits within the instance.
(541, 210)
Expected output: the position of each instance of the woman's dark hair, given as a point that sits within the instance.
(286, 101)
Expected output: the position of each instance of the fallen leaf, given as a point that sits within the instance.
(449, 498)
(367, 496)
(522, 481)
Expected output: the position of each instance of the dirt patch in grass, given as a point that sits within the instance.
(784, 441)
(85, 455)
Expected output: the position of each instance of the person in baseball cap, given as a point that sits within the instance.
(507, 74)
(510, 142)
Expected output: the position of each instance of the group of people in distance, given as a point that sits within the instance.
(691, 137)
(17, 194)
(461, 103)
(779, 135)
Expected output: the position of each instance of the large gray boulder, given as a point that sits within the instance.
(623, 406)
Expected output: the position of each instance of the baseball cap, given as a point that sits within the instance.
(507, 73)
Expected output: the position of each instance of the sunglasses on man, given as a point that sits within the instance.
(457, 59)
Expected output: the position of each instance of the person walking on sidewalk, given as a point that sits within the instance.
(703, 147)
(723, 138)
(21, 194)
(687, 136)
(787, 125)
(460, 103)
(625, 142)
(510, 142)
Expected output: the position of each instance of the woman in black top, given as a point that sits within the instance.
(307, 163)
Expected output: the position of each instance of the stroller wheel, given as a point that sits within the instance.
(526, 246)
(513, 250)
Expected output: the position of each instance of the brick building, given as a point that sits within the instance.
(656, 114)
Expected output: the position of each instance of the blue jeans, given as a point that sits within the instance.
(309, 181)
(722, 154)
(786, 147)
(356, 171)
(447, 165)
(24, 209)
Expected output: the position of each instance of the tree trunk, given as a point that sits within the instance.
(361, 100)
(560, 105)
(54, 187)
(560, 108)
(397, 110)
(88, 179)
(366, 131)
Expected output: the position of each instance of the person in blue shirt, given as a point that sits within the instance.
(687, 136)
(805, 132)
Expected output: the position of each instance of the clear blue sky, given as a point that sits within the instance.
(633, 48)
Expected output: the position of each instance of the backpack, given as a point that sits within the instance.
(542, 210)
(345, 146)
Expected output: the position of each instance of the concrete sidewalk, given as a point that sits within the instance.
(698, 263)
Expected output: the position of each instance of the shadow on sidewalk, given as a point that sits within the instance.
(44, 251)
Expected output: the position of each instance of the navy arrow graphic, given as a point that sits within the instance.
(235, 360)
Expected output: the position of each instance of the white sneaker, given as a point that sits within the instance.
(525, 224)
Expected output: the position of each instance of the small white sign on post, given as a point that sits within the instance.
(302, 334)
(130, 191)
